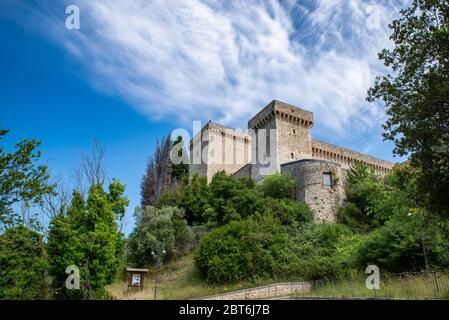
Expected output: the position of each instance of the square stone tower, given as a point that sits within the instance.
(281, 134)
(219, 148)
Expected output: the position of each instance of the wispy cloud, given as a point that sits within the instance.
(224, 60)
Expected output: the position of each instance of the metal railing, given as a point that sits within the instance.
(409, 285)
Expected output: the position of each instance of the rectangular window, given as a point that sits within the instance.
(327, 180)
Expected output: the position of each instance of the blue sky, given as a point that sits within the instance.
(138, 69)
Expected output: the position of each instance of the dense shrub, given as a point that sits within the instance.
(397, 246)
(253, 248)
(23, 265)
(193, 196)
(325, 250)
(371, 201)
(289, 212)
(278, 186)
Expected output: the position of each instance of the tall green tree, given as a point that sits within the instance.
(22, 178)
(416, 94)
(88, 236)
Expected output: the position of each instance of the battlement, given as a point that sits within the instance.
(283, 111)
(347, 157)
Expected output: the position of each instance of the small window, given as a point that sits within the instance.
(292, 155)
(327, 180)
(294, 131)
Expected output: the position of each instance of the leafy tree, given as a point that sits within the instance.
(156, 230)
(278, 186)
(359, 172)
(405, 177)
(289, 212)
(416, 94)
(248, 200)
(23, 265)
(65, 248)
(397, 246)
(372, 200)
(226, 191)
(194, 197)
(365, 205)
(88, 237)
(21, 179)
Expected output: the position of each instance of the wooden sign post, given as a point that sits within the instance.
(136, 277)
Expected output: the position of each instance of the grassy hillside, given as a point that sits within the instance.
(177, 280)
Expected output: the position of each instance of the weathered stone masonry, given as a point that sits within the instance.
(279, 140)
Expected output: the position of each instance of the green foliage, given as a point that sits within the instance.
(193, 197)
(366, 208)
(416, 94)
(88, 237)
(278, 186)
(289, 212)
(397, 246)
(324, 250)
(21, 179)
(23, 265)
(371, 201)
(228, 199)
(359, 172)
(404, 177)
(249, 249)
(232, 199)
(157, 230)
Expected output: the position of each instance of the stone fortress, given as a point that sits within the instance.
(279, 140)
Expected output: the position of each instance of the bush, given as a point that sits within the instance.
(325, 250)
(372, 201)
(23, 265)
(289, 212)
(193, 197)
(397, 246)
(254, 248)
(157, 230)
(278, 186)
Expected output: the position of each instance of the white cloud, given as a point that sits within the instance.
(223, 60)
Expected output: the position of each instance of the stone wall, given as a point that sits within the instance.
(271, 291)
(346, 157)
(244, 172)
(308, 175)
